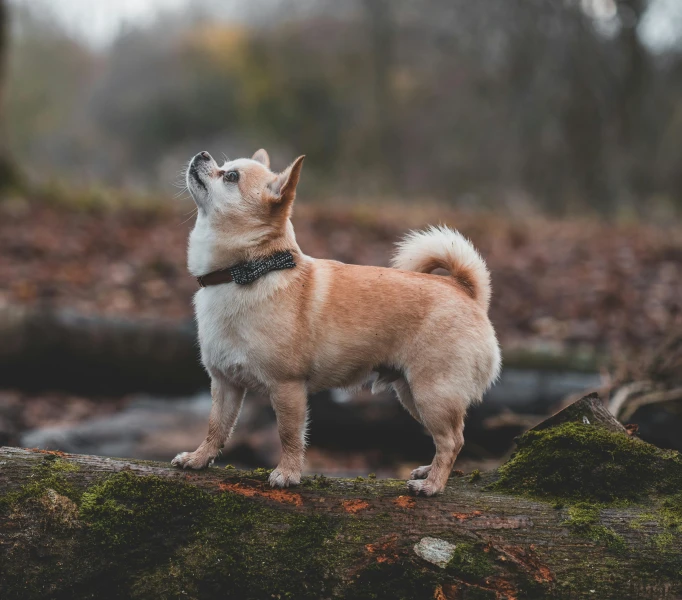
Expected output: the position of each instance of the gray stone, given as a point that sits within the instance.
(436, 551)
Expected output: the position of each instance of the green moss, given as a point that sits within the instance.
(49, 475)
(663, 541)
(671, 512)
(470, 562)
(127, 508)
(642, 518)
(582, 515)
(584, 521)
(297, 559)
(475, 475)
(579, 462)
(58, 465)
(316, 482)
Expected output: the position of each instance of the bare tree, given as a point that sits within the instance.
(8, 173)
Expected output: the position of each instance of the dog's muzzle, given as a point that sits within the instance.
(199, 166)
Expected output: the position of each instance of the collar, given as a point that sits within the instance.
(248, 272)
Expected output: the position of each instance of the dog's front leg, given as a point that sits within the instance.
(227, 402)
(290, 403)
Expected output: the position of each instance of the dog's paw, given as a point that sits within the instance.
(422, 487)
(281, 478)
(421, 472)
(192, 460)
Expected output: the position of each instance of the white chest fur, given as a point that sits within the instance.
(236, 327)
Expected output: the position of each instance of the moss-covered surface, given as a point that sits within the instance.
(50, 473)
(578, 462)
(69, 531)
(470, 561)
(126, 535)
(585, 471)
(584, 521)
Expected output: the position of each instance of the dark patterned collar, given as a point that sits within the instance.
(248, 272)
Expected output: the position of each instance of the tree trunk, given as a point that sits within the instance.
(8, 172)
(83, 526)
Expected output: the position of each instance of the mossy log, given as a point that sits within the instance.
(581, 511)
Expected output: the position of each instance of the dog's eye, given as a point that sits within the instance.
(231, 176)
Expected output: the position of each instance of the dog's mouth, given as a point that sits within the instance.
(196, 177)
(201, 167)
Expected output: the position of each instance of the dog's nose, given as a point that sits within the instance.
(205, 155)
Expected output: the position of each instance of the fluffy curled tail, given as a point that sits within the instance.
(445, 248)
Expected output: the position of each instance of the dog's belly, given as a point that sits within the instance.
(340, 376)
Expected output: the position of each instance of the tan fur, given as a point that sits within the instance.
(326, 324)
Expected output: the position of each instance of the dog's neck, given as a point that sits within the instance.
(212, 251)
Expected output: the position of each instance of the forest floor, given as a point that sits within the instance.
(556, 283)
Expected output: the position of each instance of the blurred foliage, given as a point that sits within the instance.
(548, 104)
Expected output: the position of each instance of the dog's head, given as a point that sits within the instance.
(243, 195)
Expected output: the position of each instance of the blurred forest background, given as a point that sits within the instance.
(563, 105)
(548, 131)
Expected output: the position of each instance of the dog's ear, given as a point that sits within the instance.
(262, 157)
(283, 187)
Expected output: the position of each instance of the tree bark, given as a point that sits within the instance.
(84, 526)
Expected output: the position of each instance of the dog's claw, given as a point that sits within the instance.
(422, 487)
(180, 460)
(189, 460)
(280, 478)
(421, 472)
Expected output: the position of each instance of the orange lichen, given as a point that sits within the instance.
(354, 506)
(404, 502)
(281, 496)
(385, 551)
(52, 452)
(463, 516)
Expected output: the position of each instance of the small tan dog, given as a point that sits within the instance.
(289, 324)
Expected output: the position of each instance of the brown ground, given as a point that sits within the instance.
(561, 283)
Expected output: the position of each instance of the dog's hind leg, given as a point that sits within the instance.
(227, 403)
(443, 416)
(291, 407)
(404, 393)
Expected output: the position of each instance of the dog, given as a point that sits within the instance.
(272, 319)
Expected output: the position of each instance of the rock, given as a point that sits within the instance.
(436, 551)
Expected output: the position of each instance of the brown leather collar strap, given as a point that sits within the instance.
(215, 278)
(248, 272)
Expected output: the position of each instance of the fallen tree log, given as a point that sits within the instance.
(90, 354)
(582, 510)
(94, 354)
